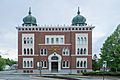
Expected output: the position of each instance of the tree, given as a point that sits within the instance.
(2, 63)
(95, 63)
(110, 51)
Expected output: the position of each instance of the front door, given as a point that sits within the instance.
(54, 67)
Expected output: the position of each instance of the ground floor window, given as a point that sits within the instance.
(65, 64)
(44, 64)
(27, 62)
(81, 63)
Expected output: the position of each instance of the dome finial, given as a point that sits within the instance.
(29, 10)
(78, 11)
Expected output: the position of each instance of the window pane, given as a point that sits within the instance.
(61, 40)
(52, 40)
(57, 40)
(47, 40)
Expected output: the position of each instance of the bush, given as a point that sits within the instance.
(101, 73)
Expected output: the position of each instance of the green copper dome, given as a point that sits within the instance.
(29, 20)
(78, 20)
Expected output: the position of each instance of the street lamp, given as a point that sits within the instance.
(39, 65)
(104, 67)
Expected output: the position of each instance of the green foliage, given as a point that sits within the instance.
(111, 51)
(95, 65)
(9, 62)
(101, 73)
(4, 62)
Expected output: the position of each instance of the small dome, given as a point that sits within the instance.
(29, 20)
(79, 20)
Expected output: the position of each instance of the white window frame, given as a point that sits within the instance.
(28, 62)
(66, 61)
(83, 60)
(44, 52)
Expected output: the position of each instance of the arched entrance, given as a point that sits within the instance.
(54, 62)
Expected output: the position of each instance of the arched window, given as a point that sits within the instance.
(63, 51)
(81, 64)
(54, 58)
(24, 40)
(78, 51)
(31, 50)
(27, 50)
(45, 51)
(67, 64)
(24, 63)
(81, 51)
(85, 64)
(85, 40)
(31, 63)
(27, 40)
(24, 51)
(41, 51)
(28, 64)
(81, 40)
(78, 64)
(41, 63)
(31, 40)
(66, 51)
(78, 40)
(45, 63)
(84, 50)
(63, 63)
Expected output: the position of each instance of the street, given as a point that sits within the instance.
(12, 75)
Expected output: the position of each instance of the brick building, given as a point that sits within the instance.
(59, 49)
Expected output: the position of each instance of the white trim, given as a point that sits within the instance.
(59, 60)
(28, 60)
(53, 44)
(28, 55)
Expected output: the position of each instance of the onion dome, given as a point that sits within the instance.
(29, 20)
(78, 20)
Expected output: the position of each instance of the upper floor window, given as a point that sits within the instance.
(43, 52)
(28, 51)
(54, 39)
(81, 51)
(31, 40)
(61, 40)
(65, 51)
(47, 40)
(24, 40)
(81, 40)
(31, 51)
(81, 63)
(27, 40)
(57, 40)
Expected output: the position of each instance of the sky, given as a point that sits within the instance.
(103, 14)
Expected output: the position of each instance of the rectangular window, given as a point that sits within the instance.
(52, 40)
(57, 40)
(47, 40)
(61, 40)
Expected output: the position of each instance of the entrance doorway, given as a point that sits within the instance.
(54, 66)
